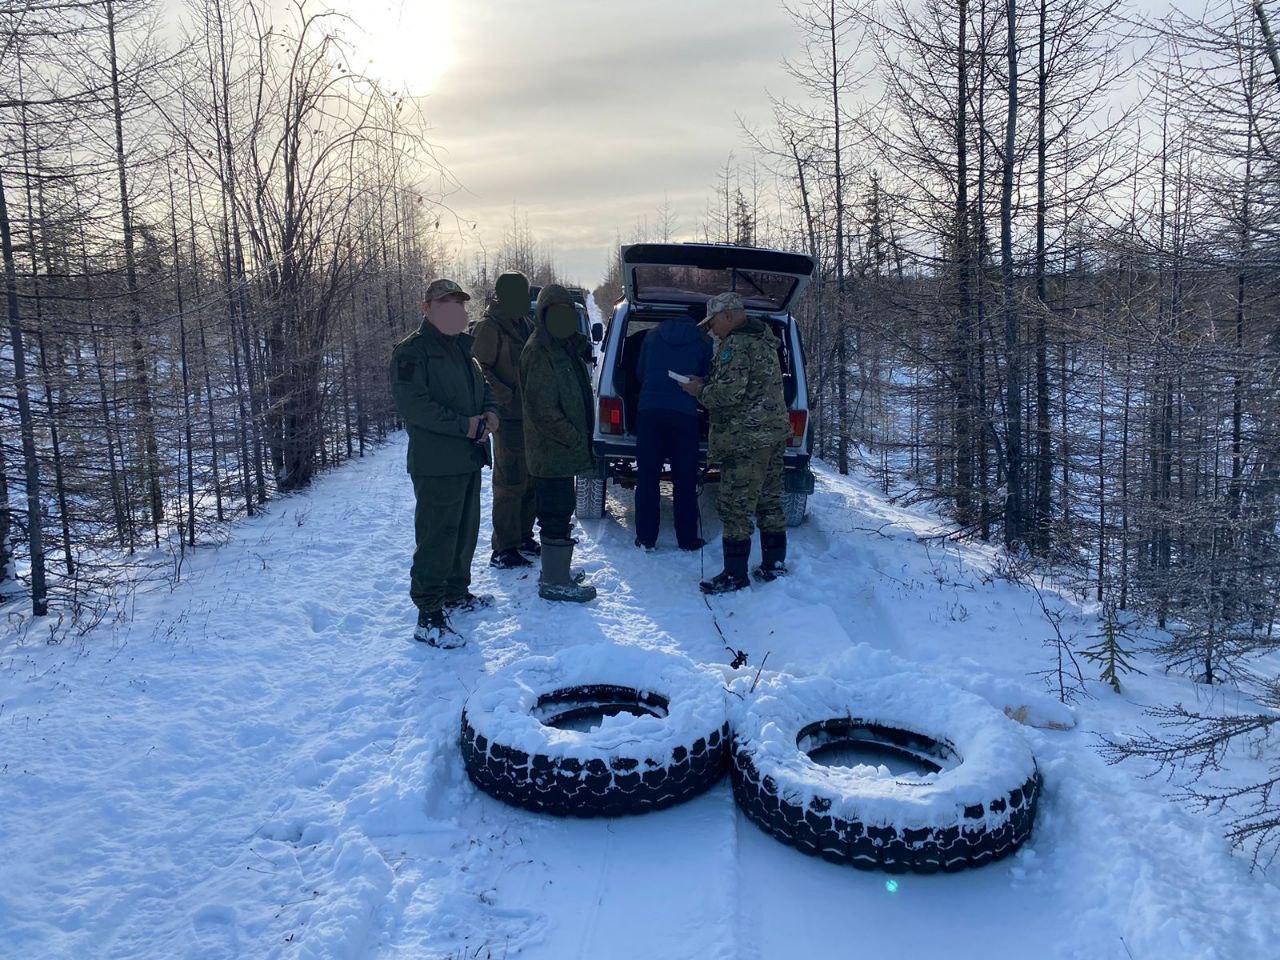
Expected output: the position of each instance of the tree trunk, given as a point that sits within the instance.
(1044, 448)
(31, 476)
(842, 340)
(1013, 511)
(963, 375)
(141, 379)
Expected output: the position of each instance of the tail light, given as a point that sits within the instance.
(611, 415)
(799, 421)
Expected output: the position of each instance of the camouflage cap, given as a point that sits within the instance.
(442, 288)
(722, 302)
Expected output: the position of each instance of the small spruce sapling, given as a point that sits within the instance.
(1113, 651)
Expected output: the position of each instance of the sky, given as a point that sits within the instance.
(584, 114)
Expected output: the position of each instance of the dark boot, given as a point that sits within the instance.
(773, 557)
(530, 546)
(469, 602)
(509, 560)
(434, 629)
(557, 582)
(734, 575)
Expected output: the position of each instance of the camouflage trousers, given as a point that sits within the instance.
(751, 483)
(513, 504)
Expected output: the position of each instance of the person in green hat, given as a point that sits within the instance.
(449, 412)
(557, 428)
(500, 336)
(749, 430)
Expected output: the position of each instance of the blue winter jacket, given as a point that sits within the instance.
(675, 344)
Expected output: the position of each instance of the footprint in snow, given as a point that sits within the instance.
(214, 928)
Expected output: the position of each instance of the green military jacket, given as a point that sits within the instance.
(743, 393)
(558, 402)
(498, 343)
(438, 386)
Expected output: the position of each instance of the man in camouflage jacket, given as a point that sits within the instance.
(749, 430)
(499, 339)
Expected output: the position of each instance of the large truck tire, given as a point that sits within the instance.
(974, 801)
(663, 736)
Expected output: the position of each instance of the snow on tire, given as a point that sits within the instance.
(662, 736)
(975, 802)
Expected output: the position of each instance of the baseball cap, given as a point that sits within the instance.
(722, 302)
(442, 288)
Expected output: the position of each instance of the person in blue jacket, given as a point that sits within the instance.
(668, 427)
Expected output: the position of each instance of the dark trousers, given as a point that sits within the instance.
(446, 525)
(664, 436)
(513, 505)
(556, 501)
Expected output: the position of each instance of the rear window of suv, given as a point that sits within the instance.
(759, 290)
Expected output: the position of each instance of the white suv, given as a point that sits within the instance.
(667, 279)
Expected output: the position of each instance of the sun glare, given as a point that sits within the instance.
(406, 44)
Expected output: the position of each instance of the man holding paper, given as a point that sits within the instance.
(668, 430)
(749, 430)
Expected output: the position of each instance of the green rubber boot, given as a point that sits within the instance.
(557, 582)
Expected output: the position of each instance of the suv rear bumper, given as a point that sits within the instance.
(617, 459)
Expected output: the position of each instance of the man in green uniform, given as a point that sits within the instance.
(749, 430)
(449, 413)
(499, 337)
(558, 421)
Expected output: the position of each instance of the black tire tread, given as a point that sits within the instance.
(568, 787)
(815, 831)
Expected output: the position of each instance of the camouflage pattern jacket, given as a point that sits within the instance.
(743, 393)
(558, 402)
(498, 343)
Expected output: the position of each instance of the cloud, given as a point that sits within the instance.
(586, 113)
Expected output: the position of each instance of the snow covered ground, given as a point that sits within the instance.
(261, 764)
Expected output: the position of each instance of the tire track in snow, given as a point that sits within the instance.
(268, 766)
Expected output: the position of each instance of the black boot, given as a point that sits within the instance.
(530, 546)
(509, 559)
(558, 582)
(773, 557)
(468, 603)
(734, 575)
(434, 629)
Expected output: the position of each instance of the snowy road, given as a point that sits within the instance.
(261, 765)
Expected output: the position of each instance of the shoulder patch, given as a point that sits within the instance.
(725, 354)
(405, 367)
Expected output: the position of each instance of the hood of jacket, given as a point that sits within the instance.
(679, 331)
(752, 327)
(550, 295)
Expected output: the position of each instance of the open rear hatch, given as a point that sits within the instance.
(693, 273)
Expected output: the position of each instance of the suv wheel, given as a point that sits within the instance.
(794, 506)
(590, 491)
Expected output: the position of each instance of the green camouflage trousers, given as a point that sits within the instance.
(513, 506)
(751, 483)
